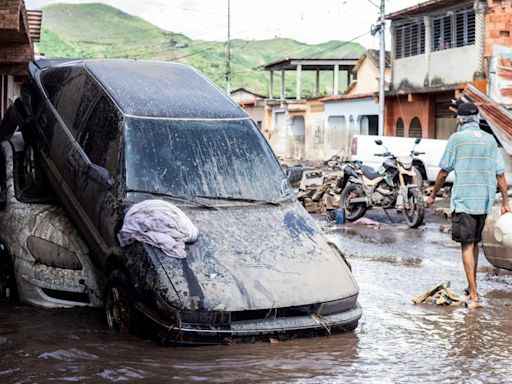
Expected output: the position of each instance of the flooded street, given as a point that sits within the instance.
(395, 341)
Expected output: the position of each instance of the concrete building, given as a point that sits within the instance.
(254, 104)
(439, 46)
(357, 111)
(19, 29)
(294, 124)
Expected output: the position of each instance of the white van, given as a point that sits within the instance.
(363, 147)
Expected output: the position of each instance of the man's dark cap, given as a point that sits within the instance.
(467, 109)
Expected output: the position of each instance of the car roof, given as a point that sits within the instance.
(162, 89)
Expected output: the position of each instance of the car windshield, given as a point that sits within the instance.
(220, 159)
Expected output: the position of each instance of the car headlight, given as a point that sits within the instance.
(52, 255)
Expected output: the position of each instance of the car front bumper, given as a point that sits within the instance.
(194, 334)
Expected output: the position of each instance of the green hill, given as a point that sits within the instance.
(101, 31)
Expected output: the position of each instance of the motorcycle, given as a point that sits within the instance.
(395, 184)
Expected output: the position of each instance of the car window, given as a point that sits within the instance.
(99, 134)
(72, 92)
(201, 157)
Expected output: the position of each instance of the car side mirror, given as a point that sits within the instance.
(100, 176)
(417, 141)
(378, 142)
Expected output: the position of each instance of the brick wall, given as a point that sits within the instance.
(10, 14)
(498, 25)
(14, 53)
(421, 106)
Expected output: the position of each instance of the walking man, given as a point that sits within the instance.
(473, 155)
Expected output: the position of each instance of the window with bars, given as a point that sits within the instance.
(400, 127)
(453, 29)
(409, 40)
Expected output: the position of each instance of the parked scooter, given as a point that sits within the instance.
(395, 184)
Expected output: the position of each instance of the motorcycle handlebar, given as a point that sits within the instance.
(418, 153)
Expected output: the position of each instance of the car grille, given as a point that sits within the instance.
(226, 318)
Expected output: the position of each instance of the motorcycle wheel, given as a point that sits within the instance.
(353, 211)
(419, 179)
(415, 213)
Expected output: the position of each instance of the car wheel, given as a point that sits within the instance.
(118, 307)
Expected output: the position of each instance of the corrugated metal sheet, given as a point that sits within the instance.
(34, 18)
(498, 117)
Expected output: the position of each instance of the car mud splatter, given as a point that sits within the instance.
(395, 342)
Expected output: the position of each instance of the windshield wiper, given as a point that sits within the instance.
(244, 199)
(183, 199)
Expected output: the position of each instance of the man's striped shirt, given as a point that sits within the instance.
(473, 155)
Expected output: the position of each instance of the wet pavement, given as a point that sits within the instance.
(395, 341)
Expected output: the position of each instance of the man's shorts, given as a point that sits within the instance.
(467, 228)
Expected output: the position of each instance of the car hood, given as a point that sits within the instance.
(257, 257)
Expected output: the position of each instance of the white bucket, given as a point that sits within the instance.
(503, 230)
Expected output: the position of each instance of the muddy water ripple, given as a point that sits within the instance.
(396, 341)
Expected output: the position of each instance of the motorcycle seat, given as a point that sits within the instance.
(369, 172)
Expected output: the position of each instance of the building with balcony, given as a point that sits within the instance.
(438, 47)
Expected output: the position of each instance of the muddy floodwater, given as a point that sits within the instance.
(395, 341)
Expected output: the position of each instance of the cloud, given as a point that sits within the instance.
(306, 21)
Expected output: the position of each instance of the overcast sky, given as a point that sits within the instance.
(304, 20)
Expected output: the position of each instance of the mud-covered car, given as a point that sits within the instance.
(113, 133)
(43, 260)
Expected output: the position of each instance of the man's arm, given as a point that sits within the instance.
(440, 179)
(503, 187)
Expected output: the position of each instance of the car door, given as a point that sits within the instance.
(98, 139)
(72, 95)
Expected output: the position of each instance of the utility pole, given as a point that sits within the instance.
(228, 64)
(382, 66)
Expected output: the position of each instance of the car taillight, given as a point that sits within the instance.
(353, 147)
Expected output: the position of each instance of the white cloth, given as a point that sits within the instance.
(160, 224)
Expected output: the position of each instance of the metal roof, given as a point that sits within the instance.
(355, 96)
(424, 8)
(498, 118)
(311, 64)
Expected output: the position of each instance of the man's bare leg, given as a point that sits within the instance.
(468, 260)
(475, 253)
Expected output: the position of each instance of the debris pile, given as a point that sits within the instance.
(441, 294)
(319, 193)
